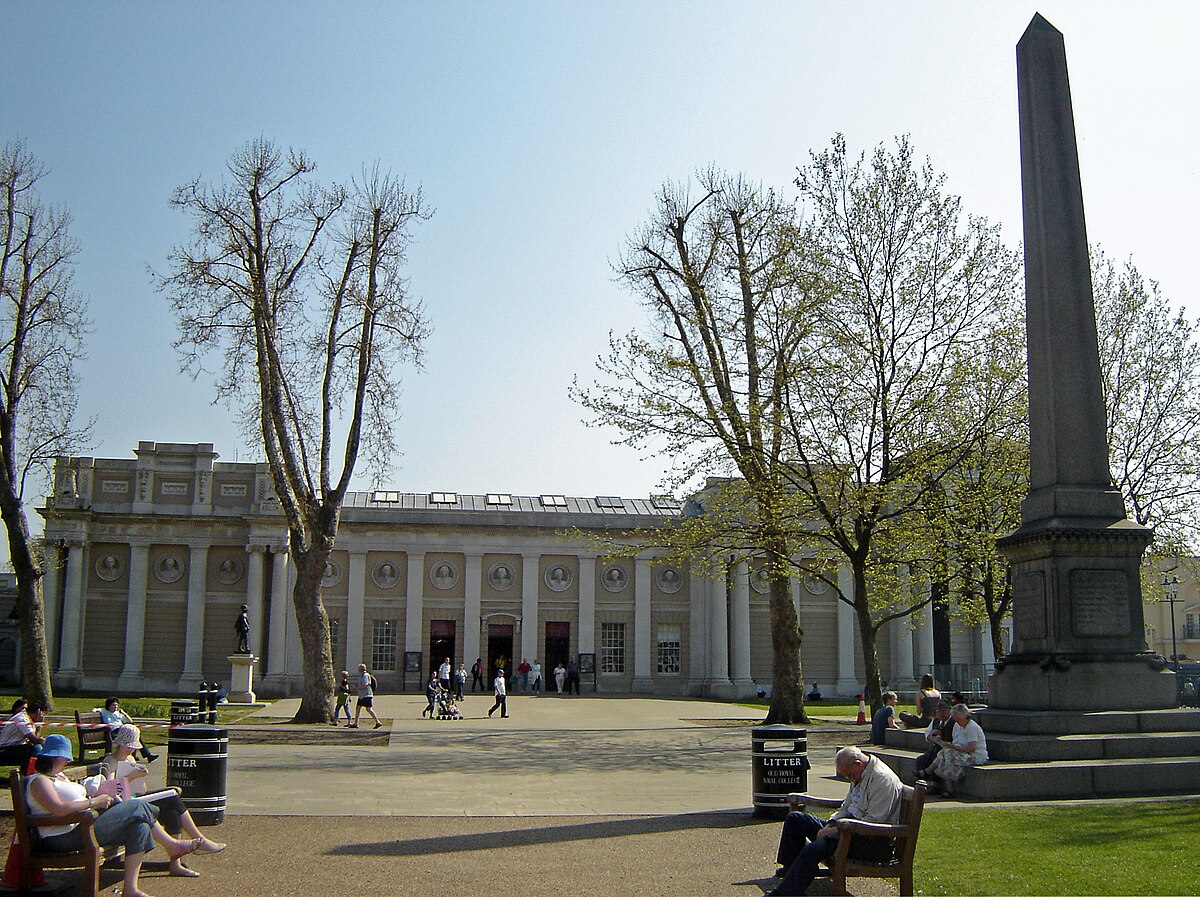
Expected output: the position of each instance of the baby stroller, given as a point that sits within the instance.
(446, 708)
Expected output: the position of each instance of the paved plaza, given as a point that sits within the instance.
(604, 796)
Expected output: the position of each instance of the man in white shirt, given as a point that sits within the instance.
(19, 736)
(501, 690)
(874, 797)
(366, 698)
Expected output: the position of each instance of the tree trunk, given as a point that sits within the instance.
(787, 691)
(867, 632)
(313, 624)
(31, 612)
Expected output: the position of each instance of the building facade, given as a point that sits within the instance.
(151, 559)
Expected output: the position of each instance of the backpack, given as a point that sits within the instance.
(374, 682)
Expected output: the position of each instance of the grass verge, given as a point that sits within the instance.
(1131, 848)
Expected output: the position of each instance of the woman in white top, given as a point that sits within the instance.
(968, 748)
(114, 717)
(173, 816)
(130, 823)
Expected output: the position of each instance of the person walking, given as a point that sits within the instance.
(536, 676)
(343, 699)
(444, 672)
(460, 681)
(501, 690)
(524, 669)
(572, 676)
(560, 676)
(477, 675)
(366, 697)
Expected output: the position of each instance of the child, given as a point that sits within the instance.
(343, 698)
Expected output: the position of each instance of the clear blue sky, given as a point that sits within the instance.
(540, 132)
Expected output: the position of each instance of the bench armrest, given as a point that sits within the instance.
(874, 829)
(808, 800)
(80, 817)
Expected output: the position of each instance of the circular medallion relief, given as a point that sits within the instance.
(669, 580)
(333, 574)
(559, 578)
(814, 585)
(501, 577)
(168, 569)
(443, 575)
(230, 571)
(760, 581)
(385, 574)
(615, 578)
(109, 567)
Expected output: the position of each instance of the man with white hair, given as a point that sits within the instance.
(806, 840)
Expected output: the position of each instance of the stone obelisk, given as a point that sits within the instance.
(1077, 607)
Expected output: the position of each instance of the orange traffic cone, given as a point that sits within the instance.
(12, 869)
(862, 712)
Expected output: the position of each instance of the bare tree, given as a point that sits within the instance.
(300, 288)
(714, 269)
(874, 422)
(44, 324)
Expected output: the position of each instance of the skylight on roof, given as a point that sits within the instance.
(443, 498)
(386, 497)
(664, 502)
(609, 501)
(499, 498)
(554, 501)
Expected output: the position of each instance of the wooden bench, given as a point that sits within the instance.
(94, 734)
(904, 834)
(89, 859)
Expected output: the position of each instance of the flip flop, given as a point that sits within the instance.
(182, 871)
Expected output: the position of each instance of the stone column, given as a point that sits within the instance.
(356, 600)
(697, 634)
(71, 653)
(276, 661)
(924, 639)
(587, 605)
(294, 662)
(254, 595)
(530, 579)
(414, 604)
(193, 649)
(52, 599)
(739, 630)
(641, 626)
(135, 617)
(848, 683)
(719, 685)
(473, 586)
(902, 654)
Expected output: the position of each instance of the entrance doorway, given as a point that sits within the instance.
(558, 650)
(499, 650)
(441, 645)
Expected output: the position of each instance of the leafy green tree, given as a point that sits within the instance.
(715, 268)
(300, 288)
(44, 322)
(1150, 364)
(876, 407)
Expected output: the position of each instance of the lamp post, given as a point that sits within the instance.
(1172, 596)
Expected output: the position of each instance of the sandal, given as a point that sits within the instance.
(208, 846)
(183, 848)
(179, 870)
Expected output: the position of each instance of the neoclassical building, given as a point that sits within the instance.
(152, 557)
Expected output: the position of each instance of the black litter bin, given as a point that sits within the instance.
(197, 757)
(184, 712)
(780, 766)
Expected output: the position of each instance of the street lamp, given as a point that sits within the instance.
(1172, 596)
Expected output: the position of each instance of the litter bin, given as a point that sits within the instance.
(780, 766)
(184, 712)
(197, 758)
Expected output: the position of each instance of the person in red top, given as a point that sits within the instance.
(524, 669)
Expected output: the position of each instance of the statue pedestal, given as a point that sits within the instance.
(241, 679)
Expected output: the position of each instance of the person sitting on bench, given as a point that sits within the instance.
(19, 739)
(875, 794)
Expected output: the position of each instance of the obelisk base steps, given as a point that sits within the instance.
(1109, 684)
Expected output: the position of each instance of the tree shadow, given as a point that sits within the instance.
(586, 831)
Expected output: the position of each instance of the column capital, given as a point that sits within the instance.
(257, 548)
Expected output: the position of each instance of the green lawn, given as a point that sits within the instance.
(837, 709)
(1131, 848)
